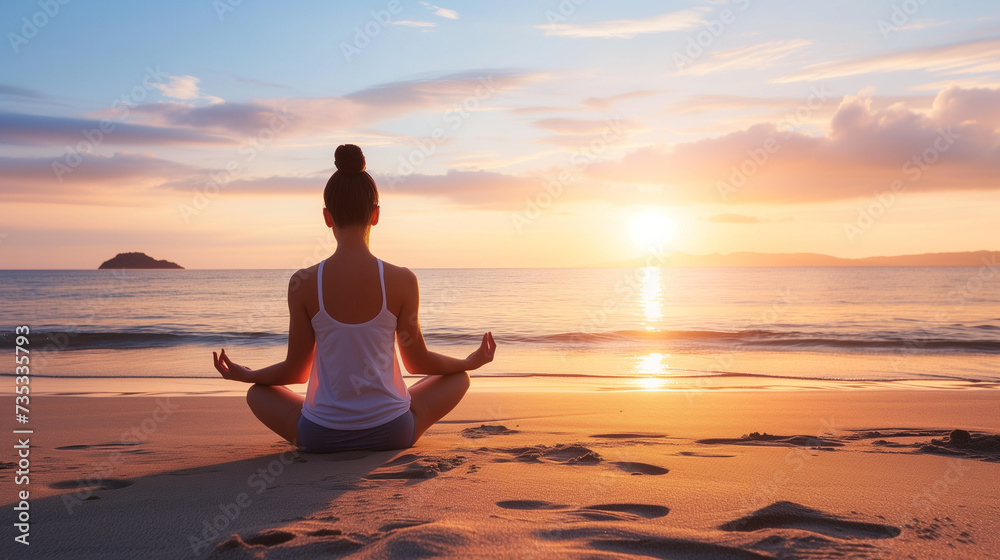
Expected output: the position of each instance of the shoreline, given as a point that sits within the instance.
(217, 387)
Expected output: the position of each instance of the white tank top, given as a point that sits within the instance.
(355, 382)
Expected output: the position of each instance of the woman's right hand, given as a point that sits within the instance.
(484, 354)
(230, 370)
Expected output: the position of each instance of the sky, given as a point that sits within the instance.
(514, 134)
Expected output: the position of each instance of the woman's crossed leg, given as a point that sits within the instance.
(431, 399)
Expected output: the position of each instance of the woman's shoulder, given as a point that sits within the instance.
(390, 268)
(303, 277)
(399, 275)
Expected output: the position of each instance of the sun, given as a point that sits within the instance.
(651, 229)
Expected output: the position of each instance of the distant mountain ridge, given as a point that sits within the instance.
(136, 260)
(746, 259)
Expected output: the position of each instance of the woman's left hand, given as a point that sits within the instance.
(484, 354)
(229, 370)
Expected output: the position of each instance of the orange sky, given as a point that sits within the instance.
(589, 138)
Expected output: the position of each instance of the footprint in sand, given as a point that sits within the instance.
(325, 533)
(620, 512)
(629, 435)
(566, 454)
(402, 460)
(599, 512)
(91, 484)
(789, 515)
(529, 504)
(662, 547)
(766, 439)
(639, 468)
(697, 454)
(402, 524)
(769, 439)
(575, 455)
(269, 538)
(327, 543)
(486, 430)
(637, 543)
(415, 467)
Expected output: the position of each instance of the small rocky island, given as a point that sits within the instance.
(136, 260)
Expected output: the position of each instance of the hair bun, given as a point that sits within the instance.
(349, 159)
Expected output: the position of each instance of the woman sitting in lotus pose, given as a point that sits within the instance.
(346, 315)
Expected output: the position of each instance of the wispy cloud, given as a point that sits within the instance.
(254, 81)
(585, 127)
(478, 189)
(703, 103)
(274, 185)
(184, 88)
(540, 109)
(25, 129)
(224, 117)
(626, 28)
(967, 57)
(439, 91)
(94, 181)
(439, 11)
(923, 23)
(605, 103)
(750, 57)
(19, 92)
(176, 122)
(418, 24)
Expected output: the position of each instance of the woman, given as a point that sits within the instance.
(346, 314)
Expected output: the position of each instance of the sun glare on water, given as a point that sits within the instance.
(649, 370)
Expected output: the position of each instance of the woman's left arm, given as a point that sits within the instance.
(301, 346)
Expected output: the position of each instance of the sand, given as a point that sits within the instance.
(526, 474)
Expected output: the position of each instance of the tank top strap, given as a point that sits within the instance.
(381, 280)
(319, 284)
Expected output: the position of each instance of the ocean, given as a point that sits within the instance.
(617, 327)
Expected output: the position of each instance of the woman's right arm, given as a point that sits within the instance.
(417, 359)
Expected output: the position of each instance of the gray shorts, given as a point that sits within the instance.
(394, 434)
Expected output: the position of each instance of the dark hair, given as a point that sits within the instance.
(350, 195)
